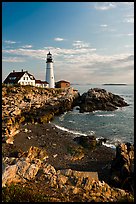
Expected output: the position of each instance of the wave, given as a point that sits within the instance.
(109, 145)
(105, 115)
(70, 131)
(71, 121)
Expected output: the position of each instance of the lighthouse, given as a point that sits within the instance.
(49, 71)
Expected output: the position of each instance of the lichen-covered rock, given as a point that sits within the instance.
(36, 153)
(75, 153)
(25, 168)
(27, 104)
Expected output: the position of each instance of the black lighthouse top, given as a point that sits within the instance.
(49, 58)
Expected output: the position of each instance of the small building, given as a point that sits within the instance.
(62, 84)
(22, 78)
(42, 84)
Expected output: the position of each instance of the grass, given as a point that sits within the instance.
(18, 193)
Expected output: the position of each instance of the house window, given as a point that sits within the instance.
(12, 78)
(24, 78)
(22, 83)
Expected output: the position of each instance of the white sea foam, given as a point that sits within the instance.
(71, 121)
(61, 118)
(109, 145)
(70, 131)
(105, 115)
(106, 144)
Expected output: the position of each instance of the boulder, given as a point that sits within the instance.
(100, 99)
(86, 141)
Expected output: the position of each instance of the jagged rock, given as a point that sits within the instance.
(100, 99)
(25, 168)
(78, 177)
(61, 179)
(48, 169)
(71, 182)
(121, 166)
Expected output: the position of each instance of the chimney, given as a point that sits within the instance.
(22, 70)
(13, 70)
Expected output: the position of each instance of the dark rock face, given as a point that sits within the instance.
(100, 99)
(86, 141)
(122, 167)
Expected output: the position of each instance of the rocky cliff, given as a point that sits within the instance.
(27, 104)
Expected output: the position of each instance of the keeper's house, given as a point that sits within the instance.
(24, 78)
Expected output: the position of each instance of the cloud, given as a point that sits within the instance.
(9, 42)
(78, 65)
(124, 34)
(129, 46)
(130, 34)
(127, 3)
(129, 20)
(107, 28)
(27, 46)
(59, 39)
(104, 6)
(12, 59)
(80, 44)
(104, 25)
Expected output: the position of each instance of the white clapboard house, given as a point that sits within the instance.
(24, 78)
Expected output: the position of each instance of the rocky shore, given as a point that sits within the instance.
(44, 164)
(28, 104)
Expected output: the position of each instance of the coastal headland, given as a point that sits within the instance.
(52, 165)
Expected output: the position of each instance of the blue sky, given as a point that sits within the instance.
(91, 42)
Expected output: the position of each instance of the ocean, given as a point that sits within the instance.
(116, 126)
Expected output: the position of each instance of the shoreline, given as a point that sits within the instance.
(63, 152)
(76, 133)
(57, 144)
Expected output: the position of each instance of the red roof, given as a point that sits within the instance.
(62, 81)
(14, 77)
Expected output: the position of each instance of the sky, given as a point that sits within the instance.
(90, 42)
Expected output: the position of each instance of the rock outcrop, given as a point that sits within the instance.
(100, 99)
(122, 167)
(89, 142)
(24, 168)
(27, 104)
(33, 165)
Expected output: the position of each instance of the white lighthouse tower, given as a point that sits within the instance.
(49, 71)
